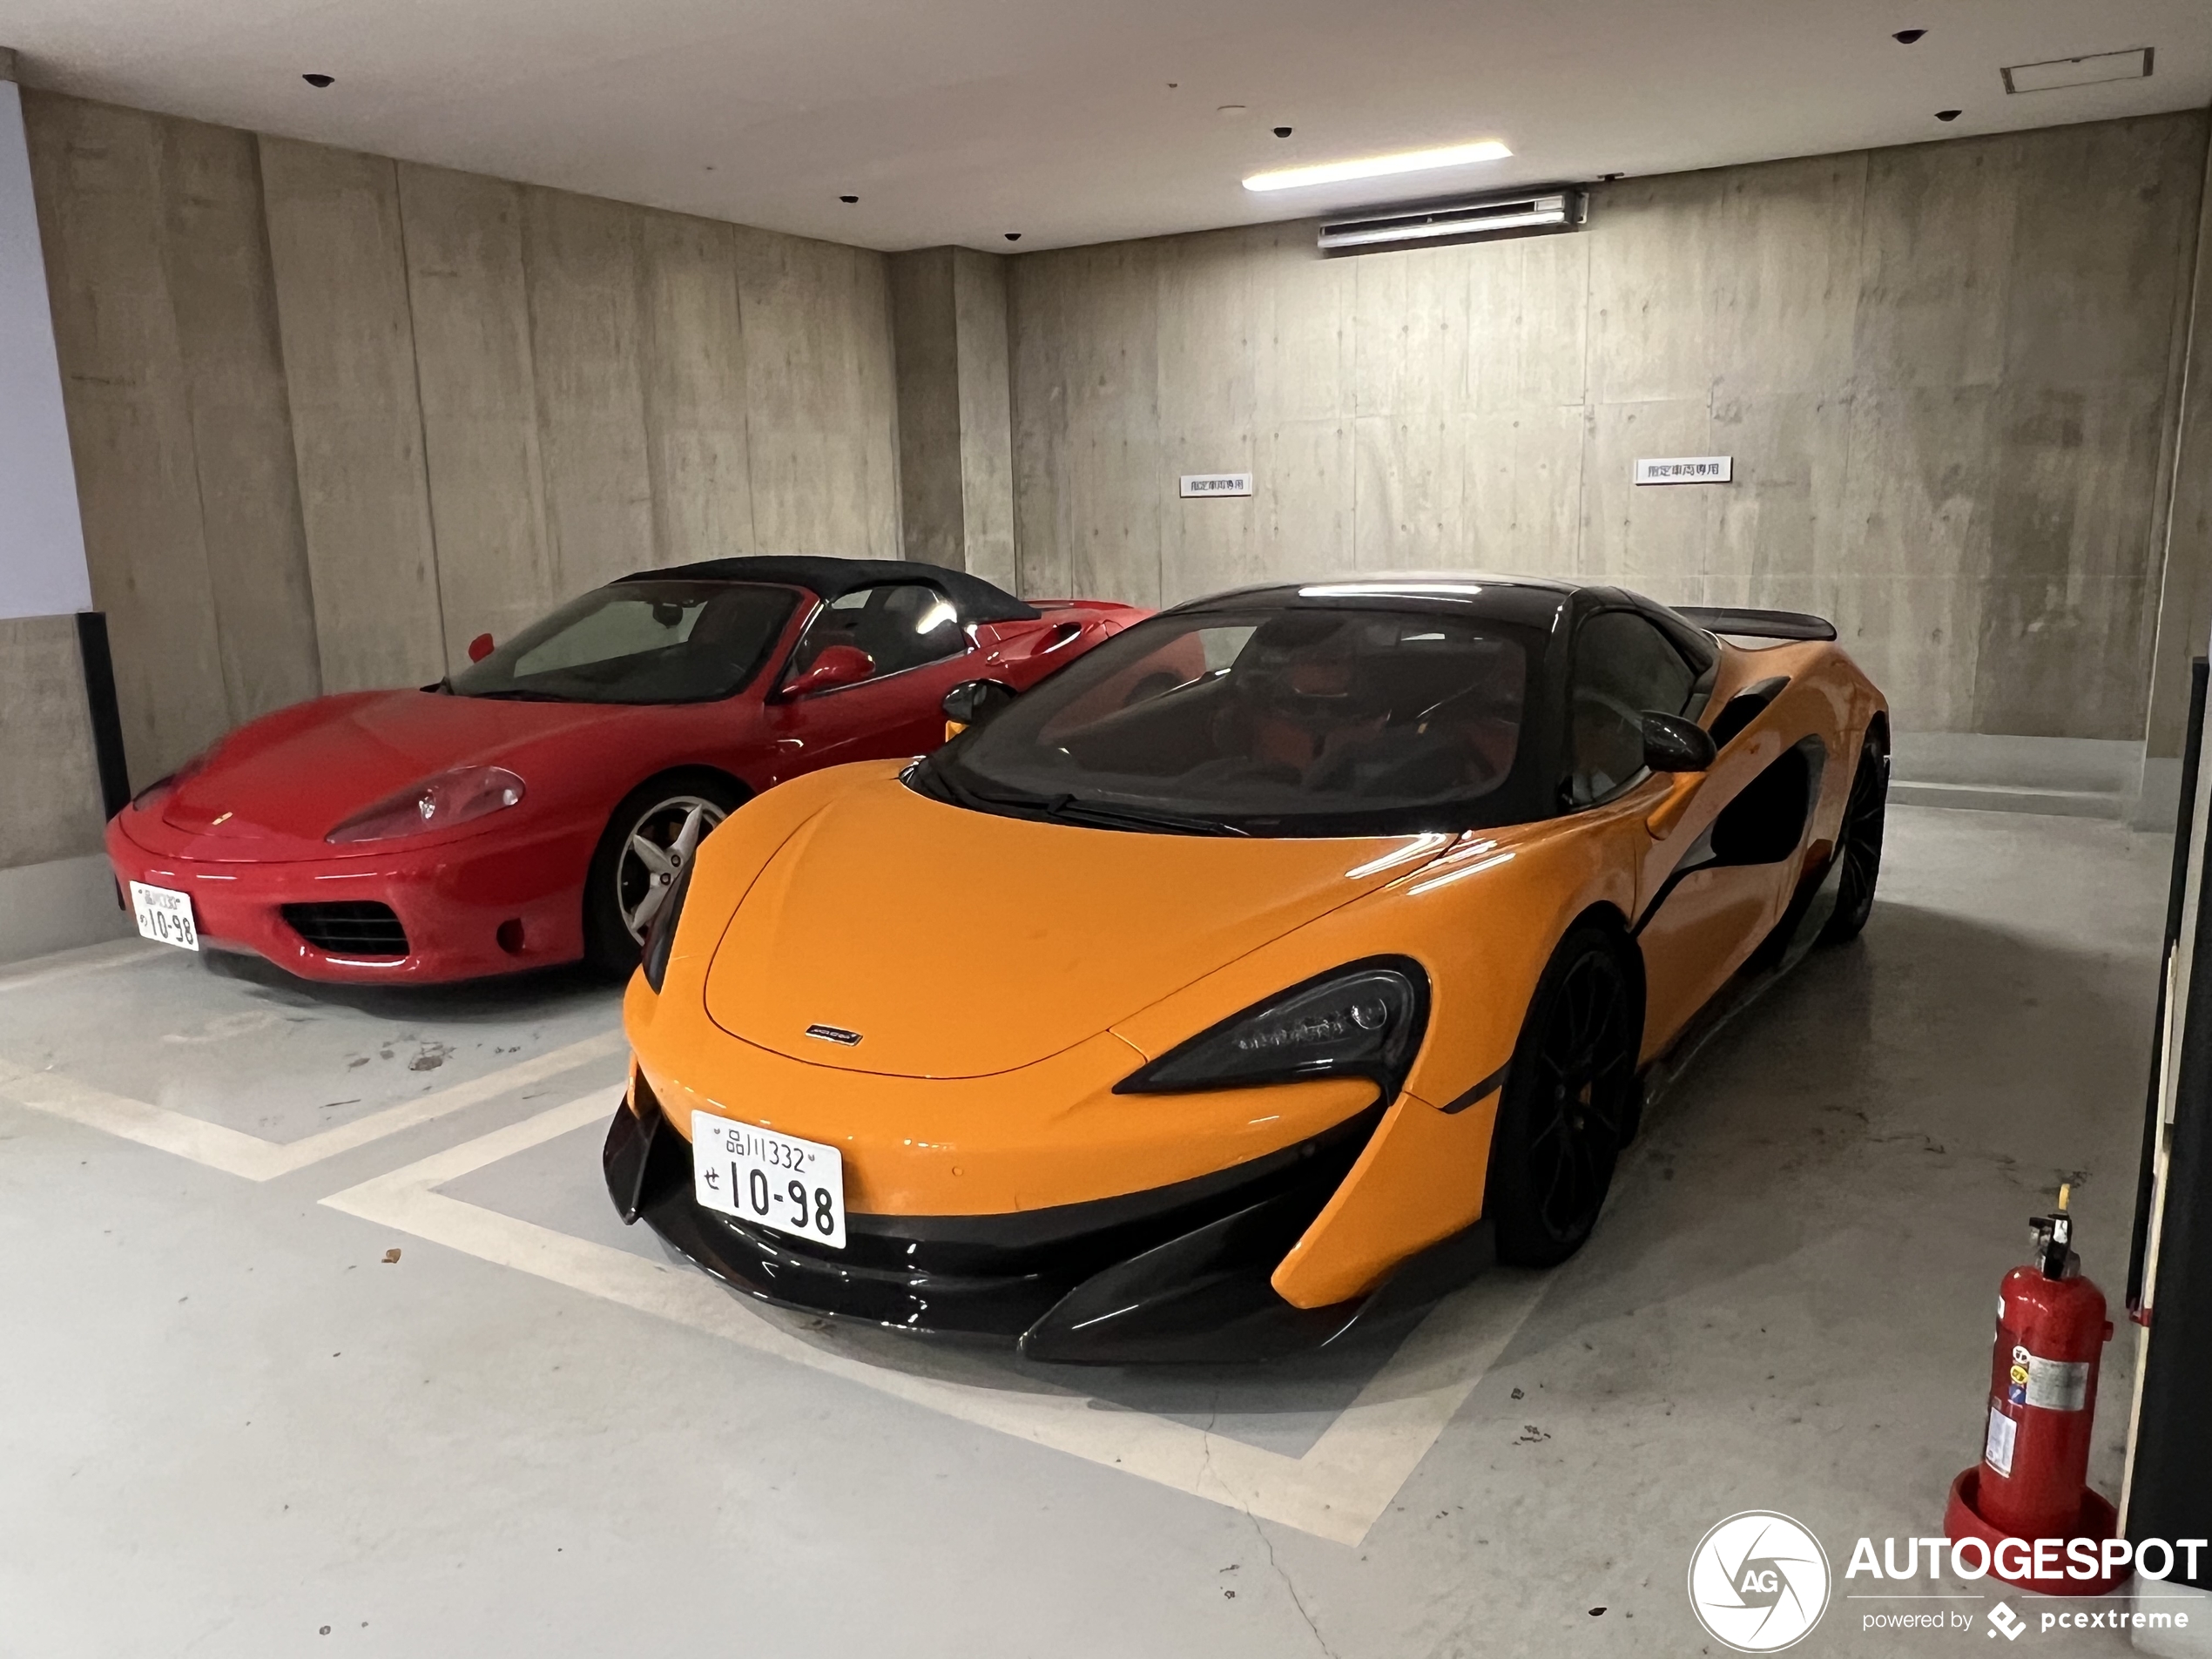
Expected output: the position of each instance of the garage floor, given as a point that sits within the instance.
(317, 1335)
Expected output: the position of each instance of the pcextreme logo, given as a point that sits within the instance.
(1758, 1582)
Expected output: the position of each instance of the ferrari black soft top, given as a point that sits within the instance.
(975, 600)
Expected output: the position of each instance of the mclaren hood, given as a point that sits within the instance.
(915, 939)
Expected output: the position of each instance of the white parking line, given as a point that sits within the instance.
(87, 959)
(237, 1153)
(1337, 1490)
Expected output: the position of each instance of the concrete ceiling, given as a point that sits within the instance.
(960, 120)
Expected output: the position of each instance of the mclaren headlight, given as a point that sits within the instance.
(660, 932)
(1364, 1020)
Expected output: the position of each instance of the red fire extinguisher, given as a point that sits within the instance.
(2033, 1480)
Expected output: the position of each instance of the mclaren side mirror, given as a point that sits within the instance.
(480, 648)
(837, 666)
(1672, 744)
(972, 702)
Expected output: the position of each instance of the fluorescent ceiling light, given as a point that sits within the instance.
(2131, 66)
(1336, 172)
(1490, 216)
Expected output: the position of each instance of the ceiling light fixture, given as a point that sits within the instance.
(1949, 115)
(319, 81)
(1906, 37)
(1282, 133)
(848, 200)
(1478, 217)
(1335, 173)
(2134, 64)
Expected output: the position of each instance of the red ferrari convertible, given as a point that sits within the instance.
(535, 807)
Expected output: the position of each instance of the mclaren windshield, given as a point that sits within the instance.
(638, 642)
(1278, 718)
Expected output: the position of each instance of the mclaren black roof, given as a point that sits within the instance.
(975, 600)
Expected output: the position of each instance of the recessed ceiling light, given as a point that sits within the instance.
(1906, 37)
(848, 200)
(1282, 133)
(1334, 172)
(1013, 236)
(319, 80)
(1949, 115)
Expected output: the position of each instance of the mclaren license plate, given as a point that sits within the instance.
(771, 1180)
(164, 914)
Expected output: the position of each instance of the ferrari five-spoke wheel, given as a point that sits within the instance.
(1569, 1096)
(657, 848)
(1861, 852)
(651, 837)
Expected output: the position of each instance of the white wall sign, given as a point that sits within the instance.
(1217, 484)
(1687, 470)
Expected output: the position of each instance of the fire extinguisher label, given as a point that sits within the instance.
(1997, 1450)
(2058, 1385)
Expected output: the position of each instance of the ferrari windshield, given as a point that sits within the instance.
(1280, 719)
(638, 642)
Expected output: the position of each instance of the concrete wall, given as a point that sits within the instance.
(1948, 374)
(2185, 612)
(955, 443)
(332, 415)
(53, 785)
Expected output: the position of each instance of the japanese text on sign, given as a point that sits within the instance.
(1686, 469)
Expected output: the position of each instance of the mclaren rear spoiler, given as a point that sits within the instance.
(1757, 625)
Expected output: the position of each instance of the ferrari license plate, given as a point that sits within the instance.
(771, 1180)
(164, 914)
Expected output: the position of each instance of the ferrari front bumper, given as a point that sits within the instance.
(449, 901)
(1176, 1273)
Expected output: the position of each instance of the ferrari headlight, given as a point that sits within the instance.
(1362, 1021)
(165, 786)
(437, 803)
(660, 932)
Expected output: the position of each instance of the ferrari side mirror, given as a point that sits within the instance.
(1672, 744)
(972, 702)
(837, 666)
(480, 648)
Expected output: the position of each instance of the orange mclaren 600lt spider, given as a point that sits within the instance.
(1290, 954)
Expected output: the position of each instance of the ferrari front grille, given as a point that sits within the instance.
(349, 927)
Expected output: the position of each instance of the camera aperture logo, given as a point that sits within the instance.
(1758, 1582)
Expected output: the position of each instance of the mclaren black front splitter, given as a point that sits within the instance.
(1177, 1273)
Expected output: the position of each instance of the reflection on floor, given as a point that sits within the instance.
(531, 1428)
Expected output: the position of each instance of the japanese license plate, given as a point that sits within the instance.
(164, 914)
(771, 1180)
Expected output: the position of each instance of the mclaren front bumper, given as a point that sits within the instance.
(1176, 1273)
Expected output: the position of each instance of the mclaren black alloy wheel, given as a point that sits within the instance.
(651, 836)
(1569, 1103)
(1861, 851)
